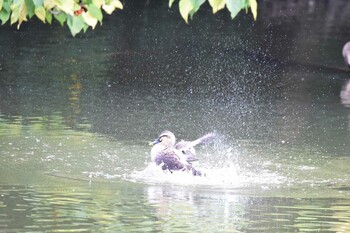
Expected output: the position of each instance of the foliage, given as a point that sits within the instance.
(82, 14)
(79, 15)
(189, 7)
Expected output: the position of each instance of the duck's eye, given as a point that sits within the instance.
(183, 151)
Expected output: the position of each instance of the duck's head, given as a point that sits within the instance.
(166, 138)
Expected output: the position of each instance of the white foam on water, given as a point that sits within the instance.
(228, 177)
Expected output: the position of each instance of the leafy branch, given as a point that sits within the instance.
(79, 15)
(82, 14)
(190, 7)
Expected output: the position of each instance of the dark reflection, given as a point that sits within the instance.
(72, 116)
(322, 19)
(34, 101)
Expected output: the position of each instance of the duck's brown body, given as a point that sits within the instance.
(175, 157)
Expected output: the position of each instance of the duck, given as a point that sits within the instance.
(346, 53)
(174, 157)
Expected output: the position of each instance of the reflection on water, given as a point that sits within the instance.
(125, 207)
(345, 94)
(345, 97)
(75, 91)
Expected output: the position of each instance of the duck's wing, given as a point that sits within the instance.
(186, 145)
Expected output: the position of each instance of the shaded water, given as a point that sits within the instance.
(76, 116)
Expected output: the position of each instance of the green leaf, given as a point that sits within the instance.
(95, 12)
(97, 3)
(196, 5)
(5, 12)
(49, 4)
(85, 28)
(7, 6)
(76, 7)
(61, 18)
(185, 7)
(16, 7)
(235, 6)
(245, 4)
(89, 19)
(254, 8)
(30, 8)
(217, 5)
(75, 24)
(117, 4)
(108, 8)
(48, 17)
(40, 12)
(4, 16)
(22, 15)
(189, 7)
(38, 3)
(66, 6)
(1, 3)
(171, 3)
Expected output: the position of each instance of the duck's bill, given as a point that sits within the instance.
(154, 142)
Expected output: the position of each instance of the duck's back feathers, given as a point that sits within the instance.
(188, 153)
(171, 160)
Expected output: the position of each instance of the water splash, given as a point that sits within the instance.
(228, 165)
(231, 177)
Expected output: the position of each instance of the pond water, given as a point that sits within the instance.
(77, 114)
